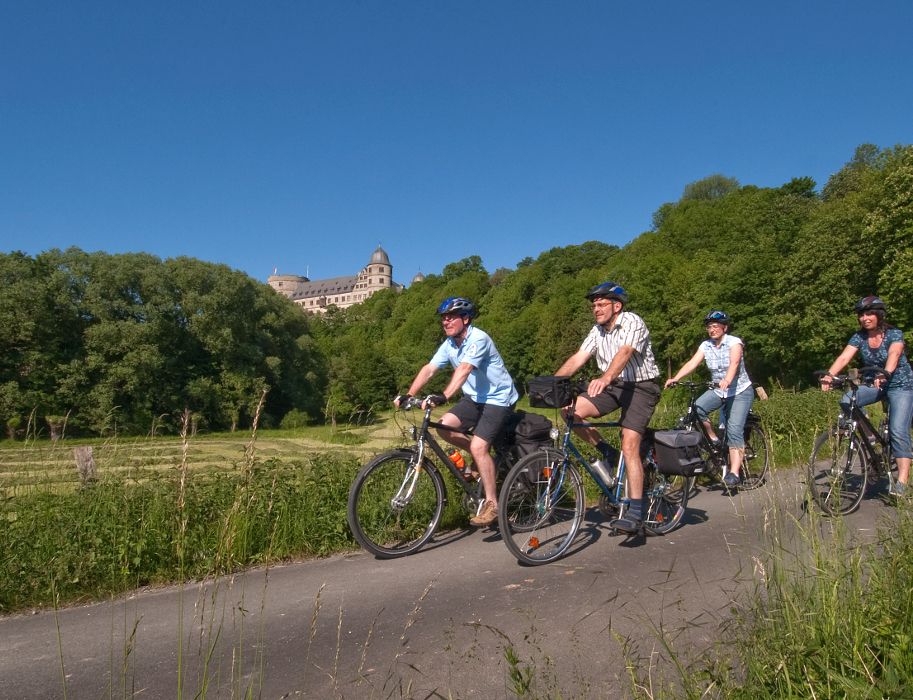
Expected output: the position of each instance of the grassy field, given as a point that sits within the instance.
(43, 465)
(170, 508)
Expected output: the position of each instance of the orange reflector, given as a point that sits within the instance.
(547, 472)
(534, 543)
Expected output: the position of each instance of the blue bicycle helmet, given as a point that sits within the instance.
(869, 303)
(717, 317)
(457, 305)
(608, 290)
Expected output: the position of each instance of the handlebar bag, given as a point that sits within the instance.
(549, 392)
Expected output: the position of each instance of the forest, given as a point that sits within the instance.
(102, 344)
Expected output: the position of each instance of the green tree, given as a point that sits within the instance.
(710, 188)
(888, 235)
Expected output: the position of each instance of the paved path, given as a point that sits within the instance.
(441, 621)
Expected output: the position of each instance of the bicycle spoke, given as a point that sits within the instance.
(667, 498)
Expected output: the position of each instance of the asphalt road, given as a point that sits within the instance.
(441, 623)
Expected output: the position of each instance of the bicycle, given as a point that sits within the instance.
(397, 500)
(542, 502)
(851, 453)
(756, 459)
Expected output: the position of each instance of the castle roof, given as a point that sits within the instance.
(380, 256)
(333, 285)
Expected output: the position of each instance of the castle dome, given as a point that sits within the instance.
(380, 256)
(419, 277)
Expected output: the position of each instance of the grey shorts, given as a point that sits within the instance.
(637, 401)
(487, 421)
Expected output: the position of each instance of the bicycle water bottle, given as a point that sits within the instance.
(604, 467)
(457, 458)
(602, 470)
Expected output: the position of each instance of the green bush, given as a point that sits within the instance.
(295, 419)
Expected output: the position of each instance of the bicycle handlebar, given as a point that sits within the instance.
(840, 380)
(407, 403)
(695, 385)
(412, 402)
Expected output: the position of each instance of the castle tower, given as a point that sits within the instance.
(376, 275)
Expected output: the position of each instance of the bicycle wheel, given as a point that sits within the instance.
(666, 499)
(756, 462)
(394, 507)
(541, 507)
(837, 472)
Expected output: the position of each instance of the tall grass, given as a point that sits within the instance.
(114, 535)
(831, 616)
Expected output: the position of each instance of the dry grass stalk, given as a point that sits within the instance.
(249, 449)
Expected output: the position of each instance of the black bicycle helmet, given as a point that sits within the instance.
(716, 316)
(457, 305)
(869, 303)
(608, 290)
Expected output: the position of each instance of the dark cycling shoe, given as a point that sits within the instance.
(628, 524)
(731, 481)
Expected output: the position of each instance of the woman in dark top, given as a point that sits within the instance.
(882, 345)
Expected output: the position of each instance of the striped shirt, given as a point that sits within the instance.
(629, 329)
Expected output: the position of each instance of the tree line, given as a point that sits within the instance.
(106, 344)
(787, 263)
(127, 342)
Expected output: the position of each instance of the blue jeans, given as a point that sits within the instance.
(900, 414)
(733, 413)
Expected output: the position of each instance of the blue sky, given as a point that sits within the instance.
(300, 135)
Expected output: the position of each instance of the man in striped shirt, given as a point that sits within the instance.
(628, 380)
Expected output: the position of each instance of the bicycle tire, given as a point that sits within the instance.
(756, 460)
(666, 499)
(837, 472)
(541, 507)
(387, 528)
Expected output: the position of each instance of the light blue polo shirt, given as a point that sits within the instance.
(489, 382)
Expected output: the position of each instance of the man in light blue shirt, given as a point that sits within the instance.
(488, 399)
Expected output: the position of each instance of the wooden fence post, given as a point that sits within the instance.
(85, 464)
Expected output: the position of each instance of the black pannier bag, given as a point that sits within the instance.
(532, 433)
(677, 452)
(549, 392)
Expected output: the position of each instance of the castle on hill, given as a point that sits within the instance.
(317, 296)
